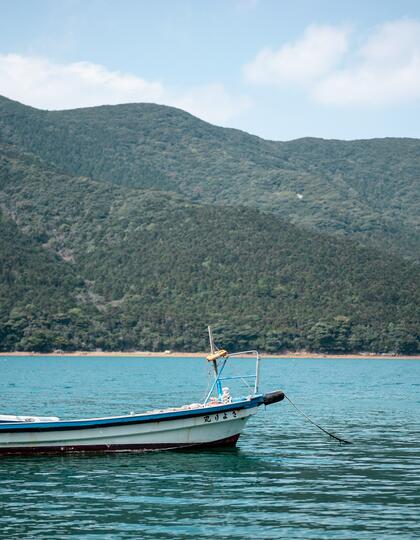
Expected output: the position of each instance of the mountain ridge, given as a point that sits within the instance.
(367, 189)
(147, 270)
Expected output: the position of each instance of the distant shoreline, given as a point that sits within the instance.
(173, 354)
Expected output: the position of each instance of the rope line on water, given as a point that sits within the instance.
(339, 439)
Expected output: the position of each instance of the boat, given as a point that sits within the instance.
(216, 422)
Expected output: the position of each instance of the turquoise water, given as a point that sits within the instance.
(285, 479)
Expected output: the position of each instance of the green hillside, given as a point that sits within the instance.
(117, 267)
(366, 190)
(41, 297)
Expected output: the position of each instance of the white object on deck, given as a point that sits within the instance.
(12, 418)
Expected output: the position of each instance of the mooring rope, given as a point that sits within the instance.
(339, 439)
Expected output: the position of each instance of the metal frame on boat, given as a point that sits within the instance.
(218, 421)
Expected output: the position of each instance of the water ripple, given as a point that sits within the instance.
(286, 480)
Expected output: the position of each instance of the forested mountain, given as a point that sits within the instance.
(87, 264)
(40, 296)
(366, 190)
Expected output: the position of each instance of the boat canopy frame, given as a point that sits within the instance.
(218, 370)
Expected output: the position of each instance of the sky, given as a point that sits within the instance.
(275, 68)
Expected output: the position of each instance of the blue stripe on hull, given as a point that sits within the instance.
(23, 427)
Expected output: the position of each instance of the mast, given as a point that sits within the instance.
(212, 349)
(213, 357)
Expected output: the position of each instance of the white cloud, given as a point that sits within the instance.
(383, 70)
(316, 53)
(41, 83)
(245, 6)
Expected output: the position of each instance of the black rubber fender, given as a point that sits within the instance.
(273, 397)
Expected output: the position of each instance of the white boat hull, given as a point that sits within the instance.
(209, 427)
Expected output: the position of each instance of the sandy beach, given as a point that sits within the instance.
(174, 354)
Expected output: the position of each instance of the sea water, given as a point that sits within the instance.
(285, 479)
